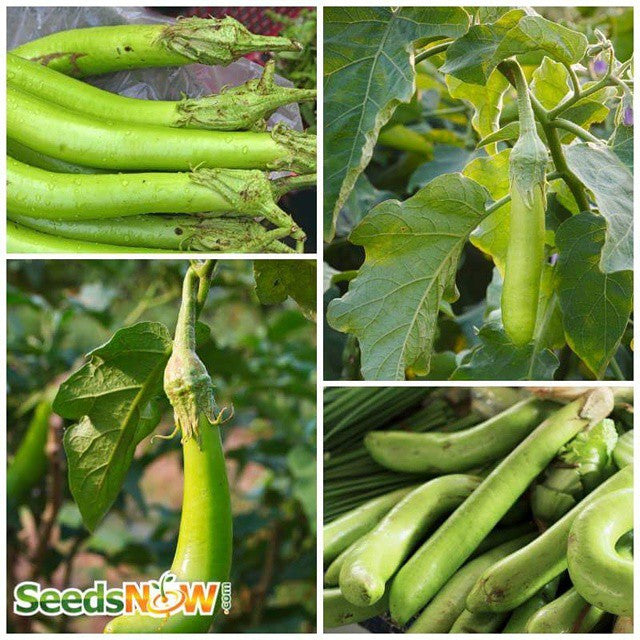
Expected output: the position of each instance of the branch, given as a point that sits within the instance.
(575, 186)
(55, 491)
(577, 130)
(577, 90)
(497, 204)
(282, 186)
(431, 51)
(579, 95)
(204, 271)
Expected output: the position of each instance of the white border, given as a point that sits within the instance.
(320, 383)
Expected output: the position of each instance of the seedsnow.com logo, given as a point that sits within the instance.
(158, 599)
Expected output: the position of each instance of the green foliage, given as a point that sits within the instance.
(417, 293)
(497, 358)
(611, 184)
(108, 397)
(581, 285)
(276, 280)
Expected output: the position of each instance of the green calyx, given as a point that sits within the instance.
(300, 147)
(218, 40)
(190, 392)
(249, 192)
(583, 464)
(527, 166)
(591, 451)
(227, 235)
(241, 108)
(186, 380)
(529, 156)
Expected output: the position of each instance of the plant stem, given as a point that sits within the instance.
(445, 112)
(577, 130)
(185, 335)
(497, 204)
(282, 186)
(560, 162)
(525, 110)
(617, 371)
(204, 270)
(574, 79)
(579, 95)
(431, 51)
(511, 69)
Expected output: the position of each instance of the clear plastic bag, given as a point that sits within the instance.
(28, 23)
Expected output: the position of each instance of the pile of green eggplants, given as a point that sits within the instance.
(522, 523)
(93, 171)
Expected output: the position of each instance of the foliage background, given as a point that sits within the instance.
(262, 359)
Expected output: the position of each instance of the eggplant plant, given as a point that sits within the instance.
(478, 193)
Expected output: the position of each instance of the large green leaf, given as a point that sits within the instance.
(474, 56)
(333, 341)
(412, 251)
(611, 183)
(492, 235)
(595, 305)
(109, 396)
(471, 57)
(486, 102)
(550, 83)
(535, 33)
(490, 14)
(368, 72)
